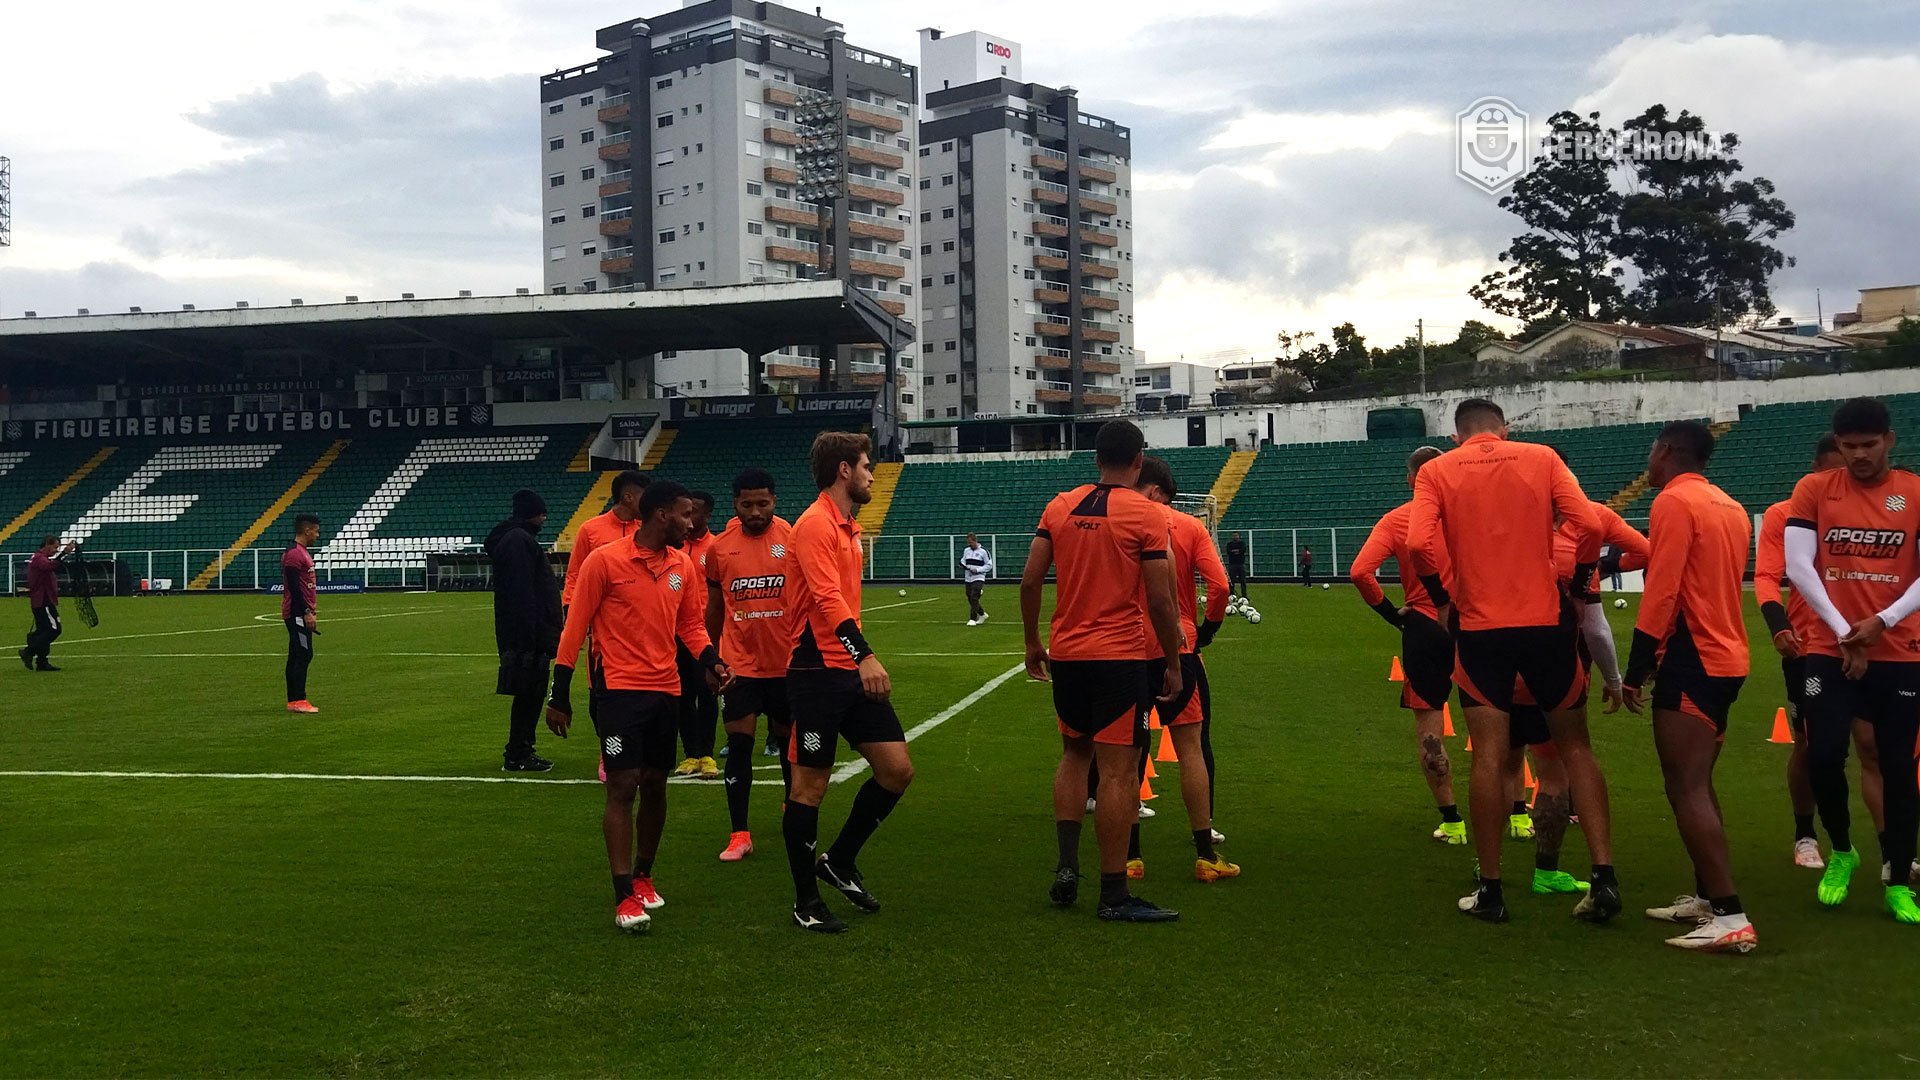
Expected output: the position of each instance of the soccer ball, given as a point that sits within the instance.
(903, 592)
(1620, 604)
(1253, 617)
(1233, 604)
(1326, 586)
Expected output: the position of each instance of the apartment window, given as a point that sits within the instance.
(556, 179)
(752, 108)
(698, 108)
(590, 286)
(951, 346)
(926, 249)
(556, 217)
(591, 247)
(666, 275)
(1032, 375)
(665, 198)
(555, 254)
(667, 236)
(701, 186)
(754, 188)
(926, 185)
(587, 211)
(946, 213)
(928, 381)
(926, 283)
(926, 215)
(946, 279)
(587, 173)
(754, 148)
(906, 398)
(946, 180)
(1028, 241)
(781, 114)
(951, 377)
(663, 158)
(906, 290)
(1026, 208)
(662, 84)
(586, 138)
(588, 100)
(947, 246)
(664, 120)
(756, 269)
(683, 110)
(686, 151)
(951, 411)
(558, 290)
(926, 151)
(1031, 407)
(557, 144)
(1028, 273)
(755, 228)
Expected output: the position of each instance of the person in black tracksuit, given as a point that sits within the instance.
(526, 624)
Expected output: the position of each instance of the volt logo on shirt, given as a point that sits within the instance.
(1865, 543)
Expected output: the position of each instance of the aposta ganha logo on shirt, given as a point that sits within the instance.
(1865, 543)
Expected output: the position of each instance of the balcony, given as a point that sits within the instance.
(622, 226)
(1053, 326)
(1098, 332)
(780, 95)
(616, 183)
(795, 252)
(1104, 398)
(1049, 262)
(1050, 160)
(617, 147)
(896, 308)
(1097, 238)
(1099, 300)
(780, 135)
(1102, 171)
(807, 253)
(615, 109)
(1100, 268)
(1098, 204)
(875, 227)
(788, 212)
(1051, 193)
(885, 196)
(859, 116)
(1047, 293)
(778, 174)
(617, 261)
(1058, 393)
(874, 152)
(1051, 227)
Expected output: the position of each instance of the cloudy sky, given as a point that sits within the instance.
(1293, 169)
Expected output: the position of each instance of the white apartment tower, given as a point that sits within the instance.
(669, 163)
(1026, 240)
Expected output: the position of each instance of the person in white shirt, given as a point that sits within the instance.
(976, 566)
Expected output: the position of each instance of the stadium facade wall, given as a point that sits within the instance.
(1532, 407)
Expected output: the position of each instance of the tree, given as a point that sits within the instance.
(1564, 266)
(1700, 239)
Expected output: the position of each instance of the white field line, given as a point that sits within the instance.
(854, 768)
(904, 603)
(69, 641)
(442, 655)
(116, 775)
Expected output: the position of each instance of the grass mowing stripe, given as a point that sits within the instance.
(370, 777)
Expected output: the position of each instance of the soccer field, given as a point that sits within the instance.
(292, 925)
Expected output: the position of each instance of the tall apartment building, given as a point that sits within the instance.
(669, 163)
(1026, 240)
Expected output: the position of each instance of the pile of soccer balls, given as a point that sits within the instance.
(1240, 605)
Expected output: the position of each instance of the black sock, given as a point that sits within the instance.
(622, 887)
(1603, 874)
(1068, 835)
(1203, 843)
(1727, 905)
(801, 827)
(1803, 827)
(1549, 862)
(1490, 891)
(1133, 842)
(1113, 888)
(1519, 807)
(739, 778)
(1880, 838)
(643, 866)
(870, 807)
(1450, 812)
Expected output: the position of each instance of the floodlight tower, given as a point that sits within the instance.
(6, 202)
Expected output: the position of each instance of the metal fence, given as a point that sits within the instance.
(1272, 554)
(252, 570)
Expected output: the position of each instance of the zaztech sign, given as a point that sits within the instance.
(242, 425)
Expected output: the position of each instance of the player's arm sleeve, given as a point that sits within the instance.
(1672, 527)
(1424, 537)
(1769, 566)
(1366, 568)
(691, 626)
(1632, 545)
(1898, 611)
(819, 562)
(1802, 544)
(1214, 572)
(1576, 509)
(1599, 637)
(296, 590)
(1033, 580)
(576, 560)
(586, 599)
(716, 609)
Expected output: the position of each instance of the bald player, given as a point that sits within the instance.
(1489, 505)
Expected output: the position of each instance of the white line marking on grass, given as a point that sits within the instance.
(70, 642)
(114, 775)
(903, 603)
(854, 768)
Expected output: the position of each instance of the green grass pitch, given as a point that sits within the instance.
(333, 927)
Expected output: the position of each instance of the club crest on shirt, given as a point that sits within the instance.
(778, 551)
(1896, 503)
(674, 582)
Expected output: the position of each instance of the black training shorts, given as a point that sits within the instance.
(1109, 701)
(637, 728)
(1545, 658)
(827, 704)
(1890, 690)
(1794, 670)
(1427, 661)
(748, 698)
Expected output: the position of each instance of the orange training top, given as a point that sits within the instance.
(1865, 555)
(1490, 503)
(827, 558)
(1696, 574)
(1770, 572)
(637, 601)
(598, 531)
(1194, 558)
(756, 594)
(1101, 534)
(1388, 540)
(1614, 531)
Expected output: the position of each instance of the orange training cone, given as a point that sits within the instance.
(1167, 752)
(1526, 775)
(1395, 674)
(1469, 744)
(1153, 720)
(1782, 731)
(1146, 784)
(1446, 718)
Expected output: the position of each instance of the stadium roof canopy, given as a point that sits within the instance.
(756, 319)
